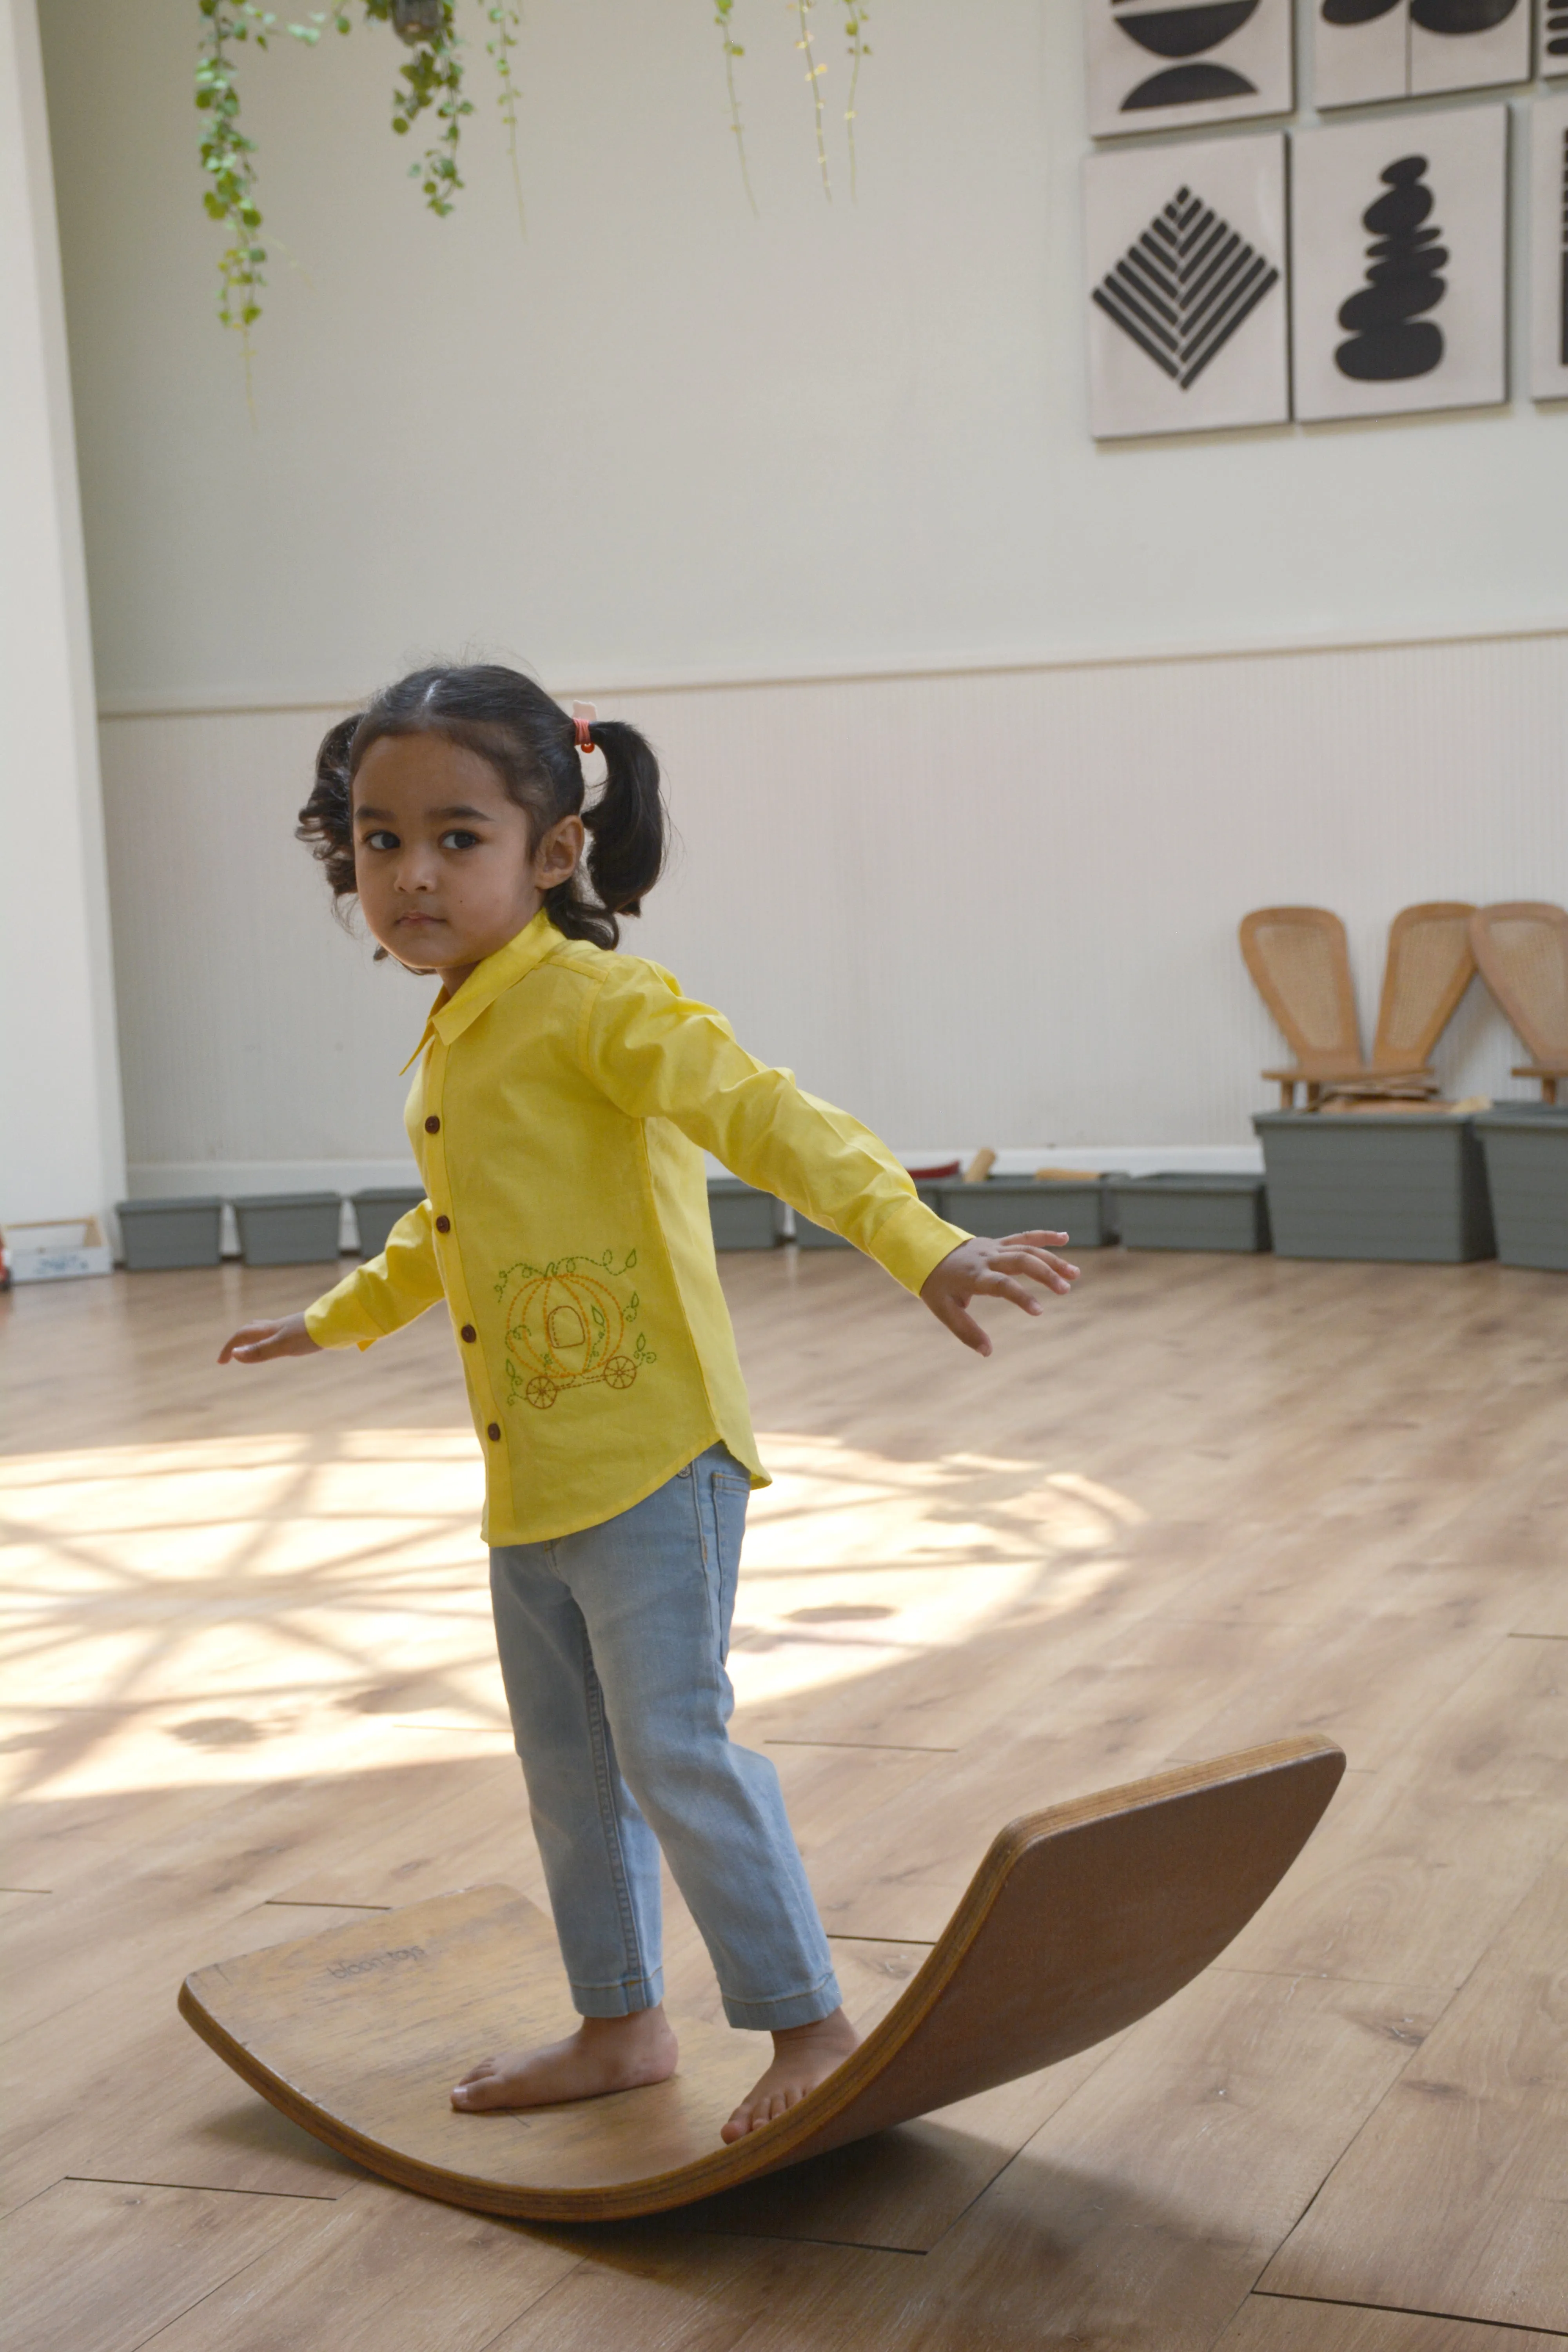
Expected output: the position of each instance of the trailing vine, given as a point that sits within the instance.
(855, 14)
(430, 82)
(227, 156)
(813, 73)
(507, 22)
(724, 11)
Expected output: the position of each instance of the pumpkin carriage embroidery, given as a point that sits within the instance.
(566, 1328)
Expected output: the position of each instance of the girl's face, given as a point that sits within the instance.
(444, 865)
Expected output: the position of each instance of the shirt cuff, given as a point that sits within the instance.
(912, 1243)
(340, 1318)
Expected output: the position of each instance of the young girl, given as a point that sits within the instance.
(565, 1098)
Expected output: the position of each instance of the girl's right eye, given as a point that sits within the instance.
(381, 840)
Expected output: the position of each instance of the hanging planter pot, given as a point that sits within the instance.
(416, 21)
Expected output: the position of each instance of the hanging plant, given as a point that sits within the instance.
(430, 82)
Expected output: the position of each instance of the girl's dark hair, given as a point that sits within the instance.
(531, 744)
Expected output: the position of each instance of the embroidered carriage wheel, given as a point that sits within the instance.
(542, 1393)
(620, 1373)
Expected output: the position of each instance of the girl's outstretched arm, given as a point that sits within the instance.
(1001, 1269)
(258, 1343)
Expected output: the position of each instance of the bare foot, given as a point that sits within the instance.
(606, 2053)
(803, 2057)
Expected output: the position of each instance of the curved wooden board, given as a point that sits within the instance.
(1081, 1920)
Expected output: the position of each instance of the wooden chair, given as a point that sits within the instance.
(1299, 957)
(1522, 947)
(1079, 1920)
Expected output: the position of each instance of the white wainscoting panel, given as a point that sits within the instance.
(973, 906)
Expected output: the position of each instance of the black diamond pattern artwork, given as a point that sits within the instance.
(1184, 287)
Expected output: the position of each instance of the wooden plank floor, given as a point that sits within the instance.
(1207, 1502)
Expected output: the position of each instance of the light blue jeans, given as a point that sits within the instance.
(613, 1642)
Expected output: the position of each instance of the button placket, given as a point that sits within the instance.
(459, 1304)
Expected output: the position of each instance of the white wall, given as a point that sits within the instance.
(664, 444)
(978, 909)
(60, 1144)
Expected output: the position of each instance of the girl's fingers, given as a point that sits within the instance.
(1033, 1241)
(1005, 1285)
(250, 1343)
(232, 1346)
(1054, 1273)
(963, 1327)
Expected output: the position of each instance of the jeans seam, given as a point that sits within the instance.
(594, 1697)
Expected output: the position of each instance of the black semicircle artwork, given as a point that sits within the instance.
(1183, 32)
(1355, 12)
(1460, 16)
(1188, 86)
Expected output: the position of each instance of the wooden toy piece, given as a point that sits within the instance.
(980, 1167)
(1079, 1920)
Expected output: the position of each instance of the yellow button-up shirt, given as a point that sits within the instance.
(563, 1100)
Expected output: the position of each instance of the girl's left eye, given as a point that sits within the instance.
(458, 839)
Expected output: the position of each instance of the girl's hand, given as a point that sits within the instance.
(995, 1270)
(258, 1343)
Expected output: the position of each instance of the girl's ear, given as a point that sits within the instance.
(555, 859)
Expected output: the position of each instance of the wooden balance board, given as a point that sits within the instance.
(1081, 1920)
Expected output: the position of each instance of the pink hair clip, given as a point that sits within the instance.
(583, 717)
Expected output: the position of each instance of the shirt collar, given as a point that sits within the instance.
(450, 1016)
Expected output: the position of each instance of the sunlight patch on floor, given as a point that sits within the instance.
(271, 1605)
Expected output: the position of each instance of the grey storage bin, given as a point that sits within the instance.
(1409, 1186)
(1085, 1211)
(743, 1218)
(1526, 1148)
(813, 1236)
(1200, 1210)
(157, 1235)
(288, 1228)
(376, 1211)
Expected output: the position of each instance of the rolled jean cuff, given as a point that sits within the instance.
(619, 1999)
(795, 2009)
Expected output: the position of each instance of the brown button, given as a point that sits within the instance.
(443, 1224)
(432, 1125)
(493, 1432)
(470, 1334)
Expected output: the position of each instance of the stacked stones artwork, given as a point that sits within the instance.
(1398, 263)
(1388, 337)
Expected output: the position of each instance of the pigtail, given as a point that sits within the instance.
(626, 825)
(326, 821)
